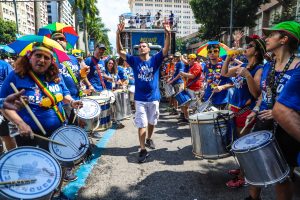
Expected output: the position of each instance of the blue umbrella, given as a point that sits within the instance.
(6, 49)
(128, 14)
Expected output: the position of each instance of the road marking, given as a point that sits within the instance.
(72, 188)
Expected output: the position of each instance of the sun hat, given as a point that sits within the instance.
(260, 43)
(290, 27)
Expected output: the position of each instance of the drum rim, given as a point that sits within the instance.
(105, 101)
(195, 120)
(50, 145)
(263, 144)
(93, 116)
(59, 169)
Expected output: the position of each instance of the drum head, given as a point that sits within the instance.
(207, 116)
(108, 95)
(96, 98)
(131, 88)
(28, 163)
(76, 141)
(89, 110)
(252, 141)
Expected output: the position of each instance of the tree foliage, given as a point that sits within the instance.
(8, 31)
(288, 11)
(215, 15)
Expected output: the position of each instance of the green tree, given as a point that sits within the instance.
(288, 11)
(8, 31)
(214, 16)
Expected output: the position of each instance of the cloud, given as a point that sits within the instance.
(109, 12)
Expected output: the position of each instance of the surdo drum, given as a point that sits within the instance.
(123, 109)
(76, 141)
(260, 158)
(29, 163)
(169, 90)
(88, 115)
(211, 134)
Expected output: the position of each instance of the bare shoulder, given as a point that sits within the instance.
(296, 62)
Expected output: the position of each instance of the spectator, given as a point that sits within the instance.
(137, 20)
(171, 19)
(157, 18)
(131, 22)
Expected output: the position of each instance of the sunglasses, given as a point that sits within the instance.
(250, 46)
(60, 39)
(213, 51)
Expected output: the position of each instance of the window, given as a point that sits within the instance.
(168, 1)
(139, 4)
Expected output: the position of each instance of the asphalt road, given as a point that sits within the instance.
(171, 172)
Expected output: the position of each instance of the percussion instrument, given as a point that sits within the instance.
(212, 132)
(77, 143)
(182, 98)
(123, 109)
(29, 163)
(260, 158)
(105, 120)
(169, 90)
(107, 95)
(88, 115)
(131, 89)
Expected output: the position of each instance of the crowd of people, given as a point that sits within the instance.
(265, 87)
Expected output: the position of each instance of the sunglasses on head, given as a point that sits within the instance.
(213, 51)
(250, 46)
(60, 39)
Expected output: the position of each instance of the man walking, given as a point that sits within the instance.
(147, 95)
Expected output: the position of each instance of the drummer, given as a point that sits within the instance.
(215, 81)
(283, 41)
(111, 78)
(32, 72)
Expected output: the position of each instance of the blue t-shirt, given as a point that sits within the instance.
(290, 95)
(47, 117)
(187, 68)
(213, 76)
(146, 76)
(267, 99)
(241, 92)
(93, 76)
(122, 73)
(5, 69)
(179, 67)
(130, 75)
(74, 65)
(109, 85)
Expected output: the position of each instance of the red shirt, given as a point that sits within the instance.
(196, 70)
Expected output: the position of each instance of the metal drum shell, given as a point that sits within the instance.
(182, 98)
(123, 108)
(169, 90)
(206, 143)
(90, 122)
(263, 165)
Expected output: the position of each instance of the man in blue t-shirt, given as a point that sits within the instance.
(147, 94)
(286, 110)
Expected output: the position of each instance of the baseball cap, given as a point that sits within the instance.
(260, 43)
(177, 54)
(192, 56)
(290, 27)
(101, 46)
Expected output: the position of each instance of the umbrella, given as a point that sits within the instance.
(202, 50)
(6, 49)
(25, 43)
(68, 31)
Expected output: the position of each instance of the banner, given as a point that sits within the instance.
(153, 38)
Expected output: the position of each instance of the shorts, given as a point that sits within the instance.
(4, 130)
(193, 94)
(178, 87)
(240, 120)
(146, 113)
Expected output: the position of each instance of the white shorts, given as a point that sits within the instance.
(146, 113)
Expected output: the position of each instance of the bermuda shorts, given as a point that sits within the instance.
(146, 113)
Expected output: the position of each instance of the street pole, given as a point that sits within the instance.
(231, 24)
(17, 24)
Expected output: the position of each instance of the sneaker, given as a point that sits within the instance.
(181, 116)
(174, 112)
(150, 144)
(60, 196)
(69, 175)
(143, 156)
(236, 183)
(250, 198)
(96, 135)
(184, 120)
(234, 172)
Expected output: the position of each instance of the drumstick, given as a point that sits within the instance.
(75, 115)
(246, 125)
(16, 182)
(29, 110)
(49, 140)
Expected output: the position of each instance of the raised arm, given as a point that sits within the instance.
(119, 46)
(226, 72)
(167, 39)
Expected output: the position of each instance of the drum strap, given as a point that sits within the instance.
(49, 94)
(194, 80)
(99, 72)
(67, 65)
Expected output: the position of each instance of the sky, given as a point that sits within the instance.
(109, 12)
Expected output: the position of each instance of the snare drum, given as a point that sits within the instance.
(169, 90)
(123, 109)
(261, 159)
(105, 120)
(182, 98)
(88, 115)
(29, 163)
(211, 133)
(76, 141)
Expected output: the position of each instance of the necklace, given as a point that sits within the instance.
(214, 74)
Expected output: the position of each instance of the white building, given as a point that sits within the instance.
(66, 13)
(181, 9)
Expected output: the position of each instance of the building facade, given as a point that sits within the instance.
(65, 12)
(181, 9)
